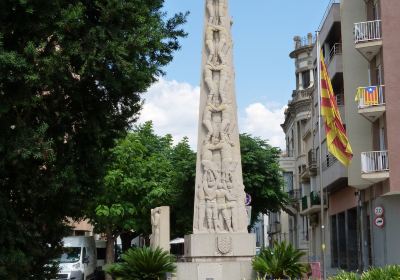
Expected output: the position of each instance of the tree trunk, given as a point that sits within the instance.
(126, 239)
(110, 257)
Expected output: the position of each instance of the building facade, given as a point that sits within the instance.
(289, 225)
(361, 202)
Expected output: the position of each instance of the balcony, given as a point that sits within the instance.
(371, 101)
(375, 166)
(311, 204)
(294, 195)
(368, 38)
(334, 60)
(312, 162)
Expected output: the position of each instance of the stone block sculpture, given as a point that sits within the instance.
(160, 228)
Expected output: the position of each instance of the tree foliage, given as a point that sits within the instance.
(262, 175)
(71, 75)
(145, 171)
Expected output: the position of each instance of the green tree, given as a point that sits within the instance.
(71, 75)
(145, 171)
(262, 175)
(140, 176)
(184, 162)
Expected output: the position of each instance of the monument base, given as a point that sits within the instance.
(214, 270)
(220, 256)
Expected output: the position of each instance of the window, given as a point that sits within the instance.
(288, 179)
(306, 78)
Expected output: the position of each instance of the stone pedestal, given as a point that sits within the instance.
(233, 270)
(211, 245)
(224, 256)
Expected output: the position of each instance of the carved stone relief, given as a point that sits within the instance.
(219, 188)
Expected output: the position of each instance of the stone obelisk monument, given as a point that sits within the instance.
(220, 247)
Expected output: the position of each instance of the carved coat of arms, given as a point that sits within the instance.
(224, 244)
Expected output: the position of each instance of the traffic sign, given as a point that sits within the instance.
(379, 211)
(379, 222)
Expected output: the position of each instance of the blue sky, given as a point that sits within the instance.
(263, 34)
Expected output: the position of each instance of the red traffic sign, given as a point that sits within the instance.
(379, 211)
(379, 222)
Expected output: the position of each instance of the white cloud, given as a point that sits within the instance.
(264, 121)
(174, 108)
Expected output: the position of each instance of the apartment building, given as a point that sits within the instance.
(371, 58)
(361, 203)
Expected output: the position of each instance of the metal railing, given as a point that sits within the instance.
(367, 31)
(315, 199)
(328, 162)
(376, 161)
(340, 99)
(312, 160)
(335, 50)
(294, 194)
(328, 8)
(304, 203)
(370, 96)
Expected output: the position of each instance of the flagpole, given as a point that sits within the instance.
(323, 264)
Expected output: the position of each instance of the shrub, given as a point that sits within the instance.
(344, 275)
(280, 262)
(143, 264)
(390, 272)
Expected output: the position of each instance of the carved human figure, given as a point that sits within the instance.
(207, 159)
(201, 206)
(231, 202)
(208, 79)
(210, 42)
(223, 45)
(210, 187)
(214, 87)
(211, 10)
(207, 117)
(221, 194)
(226, 116)
(155, 226)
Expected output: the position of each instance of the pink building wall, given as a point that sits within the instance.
(342, 200)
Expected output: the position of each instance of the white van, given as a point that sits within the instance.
(78, 260)
(101, 258)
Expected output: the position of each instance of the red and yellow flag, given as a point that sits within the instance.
(336, 138)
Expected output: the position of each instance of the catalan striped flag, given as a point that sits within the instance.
(369, 95)
(337, 141)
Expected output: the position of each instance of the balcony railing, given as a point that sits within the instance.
(312, 161)
(370, 96)
(294, 194)
(377, 161)
(340, 99)
(335, 50)
(304, 203)
(315, 199)
(330, 160)
(367, 31)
